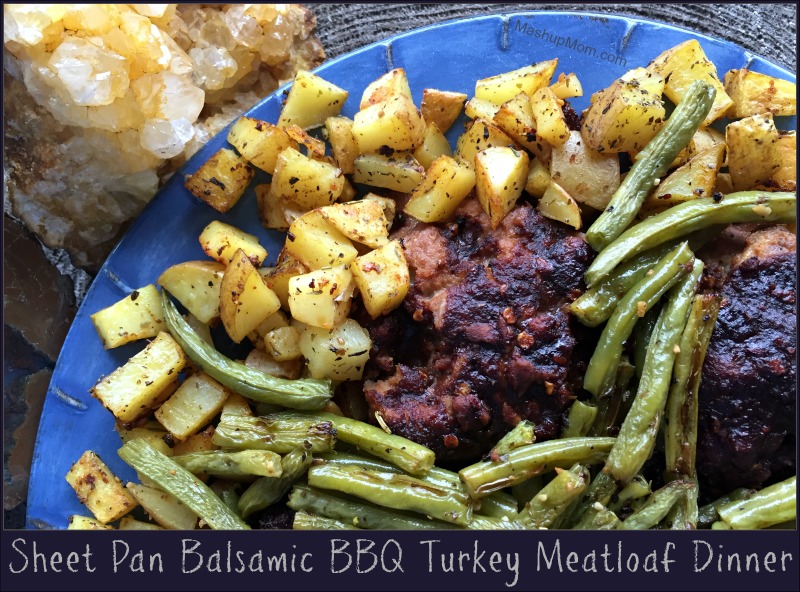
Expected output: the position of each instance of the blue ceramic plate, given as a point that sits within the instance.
(449, 56)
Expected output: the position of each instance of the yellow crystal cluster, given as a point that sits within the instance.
(105, 99)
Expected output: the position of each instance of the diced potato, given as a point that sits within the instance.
(480, 135)
(393, 124)
(388, 205)
(349, 192)
(444, 187)
(750, 142)
(441, 107)
(86, 523)
(196, 402)
(538, 178)
(99, 489)
(500, 176)
(590, 177)
(558, 205)
(270, 208)
(703, 139)
(128, 523)
(433, 145)
(196, 286)
(567, 86)
(283, 343)
(311, 101)
(390, 85)
(682, 65)
(220, 241)
(245, 298)
(273, 321)
(202, 441)
(362, 221)
(784, 153)
(481, 109)
(137, 316)
(693, 180)
(322, 298)
(152, 436)
(277, 279)
(222, 180)
(308, 183)
(723, 185)
(382, 278)
(515, 118)
(625, 116)
(400, 172)
(753, 93)
(163, 507)
(550, 122)
(264, 362)
(235, 404)
(259, 142)
(311, 146)
(498, 89)
(340, 354)
(316, 243)
(343, 142)
(130, 390)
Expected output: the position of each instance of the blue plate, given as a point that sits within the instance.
(449, 56)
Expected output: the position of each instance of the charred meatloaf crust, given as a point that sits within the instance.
(747, 433)
(484, 338)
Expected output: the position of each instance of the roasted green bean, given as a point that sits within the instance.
(304, 521)
(708, 514)
(520, 435)
(657, 506)
(546, 506)
(772, 505)
(278, 432)
(580, 419)
(264, 492)
(220, 463)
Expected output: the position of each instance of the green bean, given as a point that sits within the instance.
(411, 457)
(528, 461)
(638, 488)
(688, 217)
(708, 514)
(304, 393)
(641, 338)
(683, 515)
(357, 512)
(657, 506)
(597, 497)
(279, 433)
(610, 408)
(680, 421)
(490, 523)
(523, 492)
(304, 521)
(177, 481)
(230, 497)
(520, 435)
(400, 492)
(266, 491)
(261, 463)
(554, 498)
(651, 164)
(602, 370)
(637, 435)
(772, 505)
(598, 518)
(580, 419)
(720, 526)
(497, 504)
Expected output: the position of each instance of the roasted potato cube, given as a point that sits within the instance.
(590, 177)
(444, 187)
(277, 279)
(222, 180)
(625, 116)
(164, 508)
(567, 86)
(130, 390)
(306, 182)
(322, 298)
(343, 142)
(99, 489)
(316, 244)
(393, 124)
(362, 221)
(784, 153)
(235, 404)
(515, 118)
(682, 65)
(154, 437)
(259, 142)
(283, 343)
(382, 278)
(128, 523)
(220, 241)
(339, 354)
(558, 205)
(270, 208)
(311, 101)
(441, 107)
(480, 135)
(499, 89)
(245, 298)
(538, 178)
(500, 176)
(433, 145)
(202, 441)
(550, 122)
(137, 316)
(388, 204)
(751, 142)
(703, 139)
(196, 402)
(390, 85)
(400, 172)
(753, 93)
(196, 285)
(273, 321)
(481, 109)
(311, 146)
(86, 523)
(695, 179)
(263, 362)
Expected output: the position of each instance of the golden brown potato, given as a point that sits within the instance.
(567, 86)
(480, 135)
(390, 85)
(693, 180)
(245, 298)
(220, 241)
(322, 298)
(751, 156)
(137, 316)
(190, 409)
(259, 142)
(481, 109)
(388, 204)
(447, 182)
(753, 93)
(515, 118)
(703, 139)
(340, 354)
(557, 204)
(400, 172)
(394, 124)
(316, 244)
(500, 176)
(196, 286)
(283, 343)
(270, 208)
(784, 153)
(433, 145)
(550, 122)
(362, 221)
(311, 101)
(499, 89)
(309, 145)
(441, 107)
(590, 177)
(306, 182)
(343, 142)
(99, 489)
(538, 178)
(222, 180)
(277, 279)
(382, 278)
